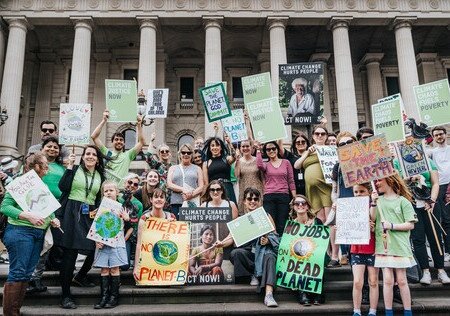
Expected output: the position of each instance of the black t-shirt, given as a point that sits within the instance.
(298, 173)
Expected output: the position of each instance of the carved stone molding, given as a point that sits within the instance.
(426, 58)
(147, 21)
(336, 22)
(277, 21)
(212, 21)
(400, 22)
(18, 21)
(371, 58)
(83, 21)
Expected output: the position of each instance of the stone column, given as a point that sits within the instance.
(161, 83)
(12, 83)
(427, 71)
(345, 86)
(406, 59)
(2, 48)
(79, 82)
(264, 60)
(213, 57)
(102, 62)
(374, 80)
(277, 26)
(324, 57)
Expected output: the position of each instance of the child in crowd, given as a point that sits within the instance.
(109, 259)
(363, 256)
(395, 218)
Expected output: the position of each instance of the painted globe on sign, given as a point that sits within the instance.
(74, 122)
(165, 252)
(107, 225)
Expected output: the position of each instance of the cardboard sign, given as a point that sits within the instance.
(107, 226)
(301, 92)
(387, 118)
(432, 100)
(398, 96)
(157, 101)
(257, 87)
(121, 100)
(352, 221)
(33, 195)
(215, 101)
(365, 161)
(250, 226)
(162, 252)
(301, 256)
(74, 123)
(267, 120)
(207, 226)
(412, 157)
(328, 157)
(235, 126)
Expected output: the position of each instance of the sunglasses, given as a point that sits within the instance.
(367, 136)
(254, 199)
(300, 142)
(188, 153)
(135, 184)
(215, 190)
(245, 146)
(300, 203)
(271, 149)
(50, 130)
(320, 134)
(164, 151)
(345, 143)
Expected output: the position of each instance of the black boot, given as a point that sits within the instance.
(104, 290)
(114, 292)
(303, 298)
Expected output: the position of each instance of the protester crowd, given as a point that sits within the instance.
(288, 183)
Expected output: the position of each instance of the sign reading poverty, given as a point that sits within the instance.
(74, 123)
(162, 252)
(267, 120)
(235, 126)
(301, 92)
(257, 87)
(387, 117)
(107, 226)
(215, 101)
(33, 195)
(208, 266)
(301, 255)
(121, 100)
(412, 157)
(328, 157)
(432, 100)
(398, 96)
(157, 100)
(365, 161)
(352, 221)
(250, 226)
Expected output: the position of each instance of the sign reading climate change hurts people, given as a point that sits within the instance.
(121, 100)
(412, 157)
(301, 256)
(267, 120)
(157, 100)
(365, 161)
(257, 87)
(301, 92)
(352, 221)
(328, 157)
(235, 126)
(162, 252)
(74, 123)
(432, 101)
(208, 225)
(387, 117)
(215, 101)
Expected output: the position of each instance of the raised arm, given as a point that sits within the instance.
(140, 135)
(96, 133)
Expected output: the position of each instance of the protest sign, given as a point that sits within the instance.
(412, 157)
(33, 195)
(352, 221)
(121, 100)
(157, 100)
(328, 157)
(207, 226)
(215, 101)
(107, 226)
(257, 87)
(398, 96)
(250, 226)
(74, 123)
(365, 161)
(432, 100)
(162, 252)
(301, 256)
(235, 126)
(387, 117)
(267, 120)
(301, 92)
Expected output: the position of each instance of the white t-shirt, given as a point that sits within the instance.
(441, 156)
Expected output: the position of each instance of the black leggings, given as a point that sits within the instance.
(68, 266)
(277, 205)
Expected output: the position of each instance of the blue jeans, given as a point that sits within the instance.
(24, 246)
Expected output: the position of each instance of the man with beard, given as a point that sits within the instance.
(48, 129)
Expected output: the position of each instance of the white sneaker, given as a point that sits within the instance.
(330, 218)
(254, 281)
(426, 278)
(447, 257)
(443, 277)
(269, 301)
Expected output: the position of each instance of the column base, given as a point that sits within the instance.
(9, 151)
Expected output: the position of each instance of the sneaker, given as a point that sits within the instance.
(68, 303)
(371, 314)
(356, 314)
(333, 264)
(447, 257)
(269, 301)
(254, 281)
(330, 217)
(443, 277)
(426, 278)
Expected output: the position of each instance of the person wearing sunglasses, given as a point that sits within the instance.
(48, 129)
(216, 196)
(278, 183)
(185, 180)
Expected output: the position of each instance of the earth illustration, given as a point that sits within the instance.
(108, 225)
(74, 122)
(37, 199)
(165, 252)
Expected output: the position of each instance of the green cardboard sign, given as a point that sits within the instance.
(257, 87)
(432, 100)
(267, 120)
(121, 100)
(301, 256)
(215, 101)
(387, 118)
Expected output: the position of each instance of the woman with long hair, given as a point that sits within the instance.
(152, 181)
(216, 196)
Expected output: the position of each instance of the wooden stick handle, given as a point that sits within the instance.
(434, 233)
(439, 224)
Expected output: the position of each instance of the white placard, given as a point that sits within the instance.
(328, 157)
(157, 100)
(235, 126)
(352, 221)
(74, 123)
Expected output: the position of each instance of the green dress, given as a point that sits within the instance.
(318, 191)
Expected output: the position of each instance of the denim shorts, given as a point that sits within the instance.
(109, 257)
(362, 259)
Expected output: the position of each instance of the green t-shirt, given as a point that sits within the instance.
(51, 179)
(396, 211)
(78, 191)
(119, 164)
(426, 175)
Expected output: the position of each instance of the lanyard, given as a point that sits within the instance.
(88, 189)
